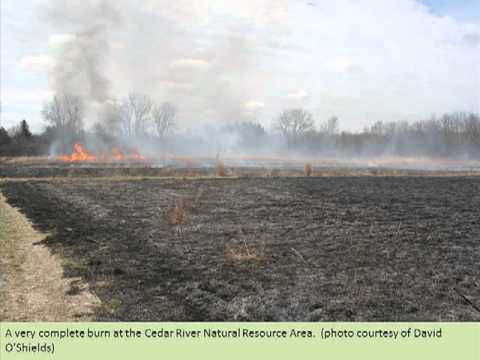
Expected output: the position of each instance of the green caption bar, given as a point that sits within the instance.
(240, 341)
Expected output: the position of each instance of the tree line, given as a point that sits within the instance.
(138, 118)
(19, 141)
(450, 135)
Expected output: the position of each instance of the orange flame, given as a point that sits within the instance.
(135, 155)
(79, 154)
(117, 154)
(103, 157)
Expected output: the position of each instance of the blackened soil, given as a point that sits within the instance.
(271, 249)
(89, 171)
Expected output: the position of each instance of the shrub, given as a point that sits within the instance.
(220, 168)
(178, 215)
(308, 170)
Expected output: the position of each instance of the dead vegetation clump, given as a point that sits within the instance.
(243, 252)
(220, 168)
(308, 169)
(273, 173)
(179, 214)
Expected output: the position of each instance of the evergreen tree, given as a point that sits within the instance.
(25, 130)
(4, 137)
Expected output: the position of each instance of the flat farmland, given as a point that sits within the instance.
(265, 249)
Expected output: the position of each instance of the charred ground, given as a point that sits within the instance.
(334, 248)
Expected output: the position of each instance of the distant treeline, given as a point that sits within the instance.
(138, 121)
(19, 141)
(451, 135)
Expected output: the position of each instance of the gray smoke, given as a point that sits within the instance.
(80, 63)
(165, 50)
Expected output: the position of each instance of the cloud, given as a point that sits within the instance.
(176, 86)
(37, 63)
(299, 95)
(16, 96)
(257, 12)
(253, 105)
(344, 64)
(384, 59)
(57, 41)
(189, 63)
(472, 38)
(118, 45)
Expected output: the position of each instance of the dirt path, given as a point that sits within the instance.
(32, 286)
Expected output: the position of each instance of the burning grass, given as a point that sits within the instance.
(125, 162)
(80, 154)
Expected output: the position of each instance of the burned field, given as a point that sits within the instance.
(266, 249)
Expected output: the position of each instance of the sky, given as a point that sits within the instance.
(221, 61)
(462, 10)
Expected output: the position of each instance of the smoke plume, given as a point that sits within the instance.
(200, 56)
(81, 60)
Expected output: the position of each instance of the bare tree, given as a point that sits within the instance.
(472, 131)
(294, 124)
(140, 106)
(332, 126)
(65, 113)
(133, 114)
(164, 118)
(249, 134)
(121, 118)
(110, 114)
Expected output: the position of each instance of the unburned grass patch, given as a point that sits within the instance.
(11, 258)
(32, 282)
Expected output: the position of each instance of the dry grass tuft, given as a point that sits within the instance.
(243, 252)
(220, 168)
(198, 197)
(178, 215)
(274, 173)
(308, 169)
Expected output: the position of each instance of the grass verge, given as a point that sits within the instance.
(32, 285)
